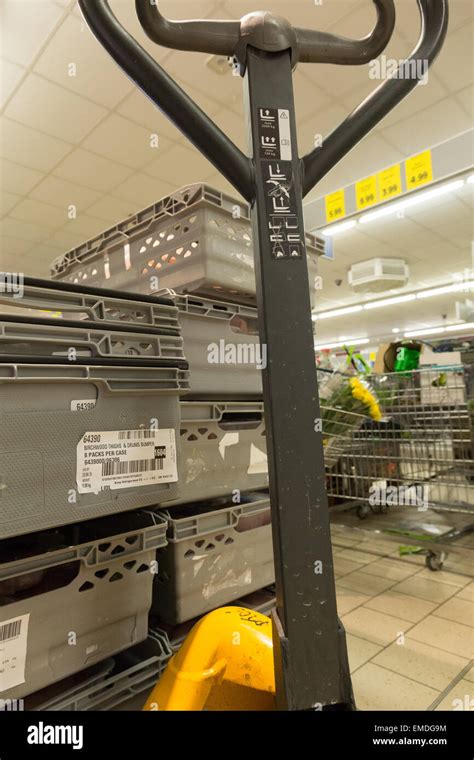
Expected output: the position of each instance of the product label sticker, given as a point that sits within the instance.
(125, 459)
(83, 405)
(13, 648)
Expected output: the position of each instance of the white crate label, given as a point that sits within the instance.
(125, 458)
(13, 647)
(83, 405)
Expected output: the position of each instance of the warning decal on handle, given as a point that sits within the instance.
(285, 231)
(13, 647)
(125, 458)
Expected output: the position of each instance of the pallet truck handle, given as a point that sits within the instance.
(231, 38)
(223, 37)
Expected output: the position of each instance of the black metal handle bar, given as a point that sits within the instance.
(272, 34)
(223, 37)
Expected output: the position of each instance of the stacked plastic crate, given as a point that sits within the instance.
(210, 531)
(197, 245)
(90, 382)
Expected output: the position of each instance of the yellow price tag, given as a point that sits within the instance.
(389, 182)
(418, 170)
(335, 206)
(366, 192)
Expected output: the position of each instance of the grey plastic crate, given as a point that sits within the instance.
(223, 449)
(30, 338)
(222, 347)
(65, 609)
(125, 681)
(213, 557)
(134, 672)
(195, 240)
(46, 410)
(50, 303)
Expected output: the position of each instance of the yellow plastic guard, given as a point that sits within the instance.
(225, 663)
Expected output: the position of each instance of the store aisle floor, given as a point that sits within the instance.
(410, 631)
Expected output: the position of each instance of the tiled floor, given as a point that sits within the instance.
(410, 631)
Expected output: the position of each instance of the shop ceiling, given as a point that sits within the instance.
(73, 129)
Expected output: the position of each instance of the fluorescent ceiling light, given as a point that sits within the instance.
(421, 197)
(431, 331)
(348, 341)
(390, 301)
(456, 287)
(335, 229)
(396, 330)
(439, 330)
(470, 179)
(461, 326)
(339, 312)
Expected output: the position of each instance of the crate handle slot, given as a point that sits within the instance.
(240, 420)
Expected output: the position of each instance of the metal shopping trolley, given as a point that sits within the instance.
(417, 462)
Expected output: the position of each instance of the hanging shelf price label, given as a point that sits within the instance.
(335, 206)
(366, 192)
(389, 182)
(419, 170)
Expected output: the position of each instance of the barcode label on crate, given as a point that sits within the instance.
(13, 648)
(125, 459)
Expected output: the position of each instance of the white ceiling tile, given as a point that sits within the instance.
(121, 140)
(91, 170)
(75, 60)
(142, 190)
(191, 71)
(8, 201)
(455, 63)
(44, 253)
(318, 124)
(306, 13)
(26, 25)
(62, 193)
(10, 75)
(67, 238)
(307, 95)
(233, 126)
(179, 166)
(466, 99)
(112, 210)
(30, 148)
(22, 230)
(66, 115)
(17, 179)
(139, 109)
(11, 249)
(33, 211)
(429, 127)
(85, 225)
(34, 266)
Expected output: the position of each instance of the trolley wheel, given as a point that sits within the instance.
(435, 561)
(362, 511)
